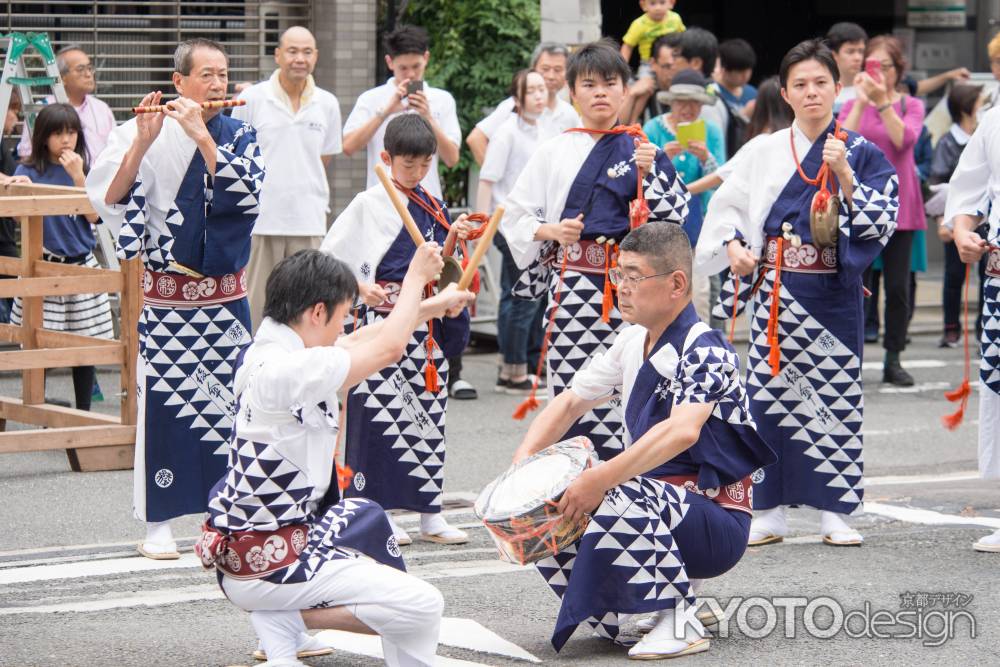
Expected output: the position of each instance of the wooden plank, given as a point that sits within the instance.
(65, 438)
(48, 339)
(131, 306)
(10, 266)
(32, 380)
(70, 204)
(94, 459)
(60, 286)
(61, 357)
(54, 269)
(10, 333)
(52, 416)
(37, 189)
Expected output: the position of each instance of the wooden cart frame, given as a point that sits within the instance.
(92, 441)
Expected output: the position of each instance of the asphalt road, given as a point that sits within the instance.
(72, 591)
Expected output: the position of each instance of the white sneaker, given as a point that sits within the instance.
(990, 543)
(836, 531)
(434, 528)
(768, 526)
(309, 647)
(661, 641)
(402, 537)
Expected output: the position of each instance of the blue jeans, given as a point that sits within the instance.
(515, 317)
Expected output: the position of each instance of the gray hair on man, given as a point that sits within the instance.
(551, 48)
(665, 245)
(183, 61)
(61, 57)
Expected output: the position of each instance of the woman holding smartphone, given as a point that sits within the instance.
(892, 122)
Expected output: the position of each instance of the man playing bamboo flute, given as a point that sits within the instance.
(181, 187)
(804, 295)
(568, 211)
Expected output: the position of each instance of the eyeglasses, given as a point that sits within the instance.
(619, 279)
(83, 69)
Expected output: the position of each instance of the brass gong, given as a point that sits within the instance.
(824, 221)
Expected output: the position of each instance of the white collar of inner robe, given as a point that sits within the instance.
(961, 136)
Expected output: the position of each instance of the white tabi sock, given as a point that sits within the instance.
(397, 530)
(159, 537)
(769, 522)
(279, 633)
(835, 526)
(434, 524)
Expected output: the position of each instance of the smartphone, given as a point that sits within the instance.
(414, 86)
(874, 69)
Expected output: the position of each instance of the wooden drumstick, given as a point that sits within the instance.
(397, 202)
(482, 245)
(214, 104)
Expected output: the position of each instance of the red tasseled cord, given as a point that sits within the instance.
(952, 421)
(430, 368)
(607, 301)
(531, 402)
(736, 305)
(774, 355)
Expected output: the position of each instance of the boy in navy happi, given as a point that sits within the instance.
(286, 547)
(181, 190)
(674, 506)
(396, 418)
(804, 298)
(568, 211)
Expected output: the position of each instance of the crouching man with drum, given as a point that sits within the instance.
(675, 506)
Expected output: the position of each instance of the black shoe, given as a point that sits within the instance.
(950, 339)
(501, 385)
(894, 373)
(871, 335)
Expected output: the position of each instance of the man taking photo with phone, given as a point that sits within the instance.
(407, 55)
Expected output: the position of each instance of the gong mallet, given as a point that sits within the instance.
(451, 266)
(482, 245)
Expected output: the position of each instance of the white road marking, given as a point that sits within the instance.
(458, 632)
(912, 363)
(468, 634)
(924, 386)
(154, 598)
(875, 432)
(371, 646)
(110, 566)
(937, 478)
(928, 517)
(95, 568)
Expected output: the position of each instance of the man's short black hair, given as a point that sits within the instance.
(306, 278)
(665, 245)
(811, 49)
(406, 39)
(700, 43)
(672, 40)
(736, 55)
(600, 58)
(411, 135)
(844, 32)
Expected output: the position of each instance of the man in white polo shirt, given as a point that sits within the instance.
(549, 60)
(407, 55)
(298, 130)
